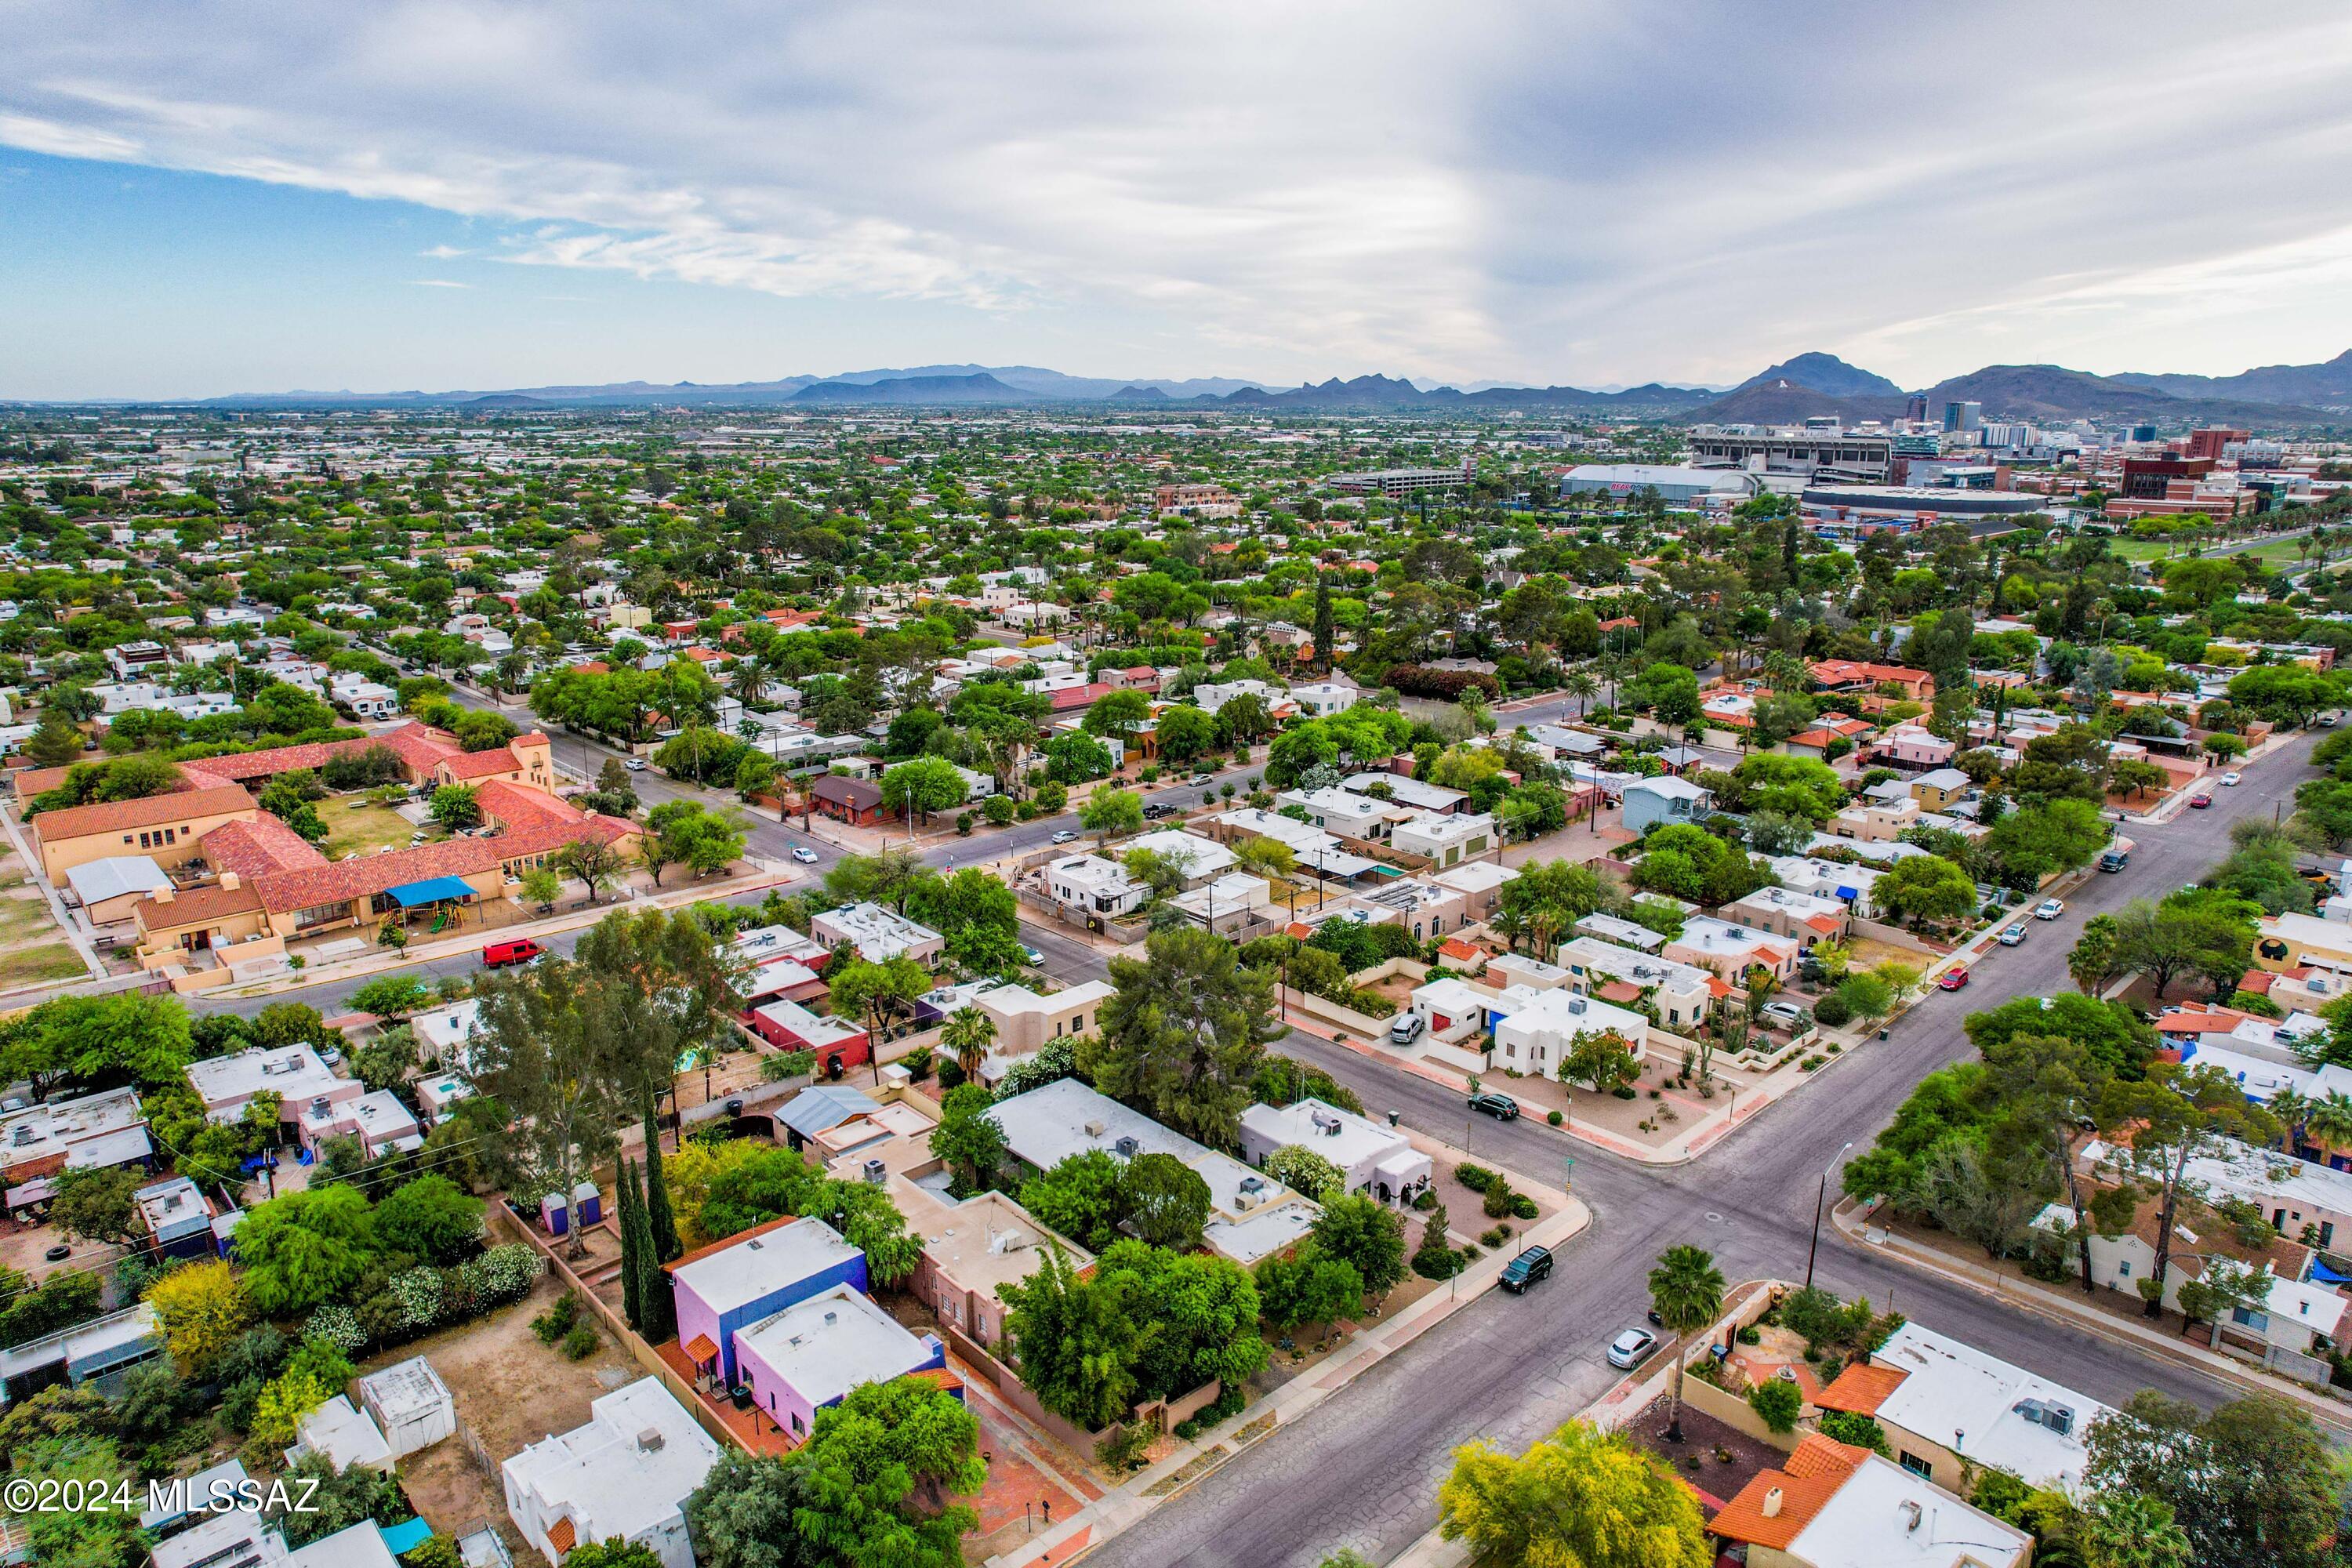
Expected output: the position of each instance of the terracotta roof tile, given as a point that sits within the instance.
(1861, 1389)
(254, 848)
(561, 1538)
(491, 763)
(197, 906)
(1813, 1474)
(122, 815)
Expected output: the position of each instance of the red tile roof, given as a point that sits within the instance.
(125, 815)
(340, 881)
(1813, 1477)
(263, 844)
(197, 906)
(1071, 698)
(1860, 1389)
(486, 764)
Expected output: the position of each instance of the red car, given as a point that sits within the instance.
(2199, 802)
(1952, 980)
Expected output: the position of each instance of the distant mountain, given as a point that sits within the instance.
(926, 391)
(2049, 392)
(1784, 402)
(2327, 385)
(1138, 394)
(506, 400)
(1826, 373)
(1381, 392)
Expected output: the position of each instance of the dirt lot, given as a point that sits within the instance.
(1714, 1458)
(510, 1390)
(32, 949)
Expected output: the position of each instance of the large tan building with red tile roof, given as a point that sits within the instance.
(166, 828)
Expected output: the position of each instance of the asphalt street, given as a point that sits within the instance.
(1361, 1471)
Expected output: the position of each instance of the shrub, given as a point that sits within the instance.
(1497, 1237)
(1501, 1202)
(1477, 1178)
(338, 1326)
(786, 1065)
(558, 1320)
(1776, 1402)
(1832, 1011)
(918, 1063)
(1523, 1207)
(580, 1343)
(1860, 1431)
(1425, 1199)
(1553, 1117)
(1623, 1091)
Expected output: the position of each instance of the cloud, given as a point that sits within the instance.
(437, 283)
(1598, 191)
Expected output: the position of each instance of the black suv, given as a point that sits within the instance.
(1523, 1270)
(1501, 1107)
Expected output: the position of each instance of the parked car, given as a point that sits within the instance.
(2014, 935)
(2048, 909)
(1064, 836)
(803, 854)
(635, 765)
(1157, 810)
(499, 954)
(1032, 957)
(2232, 778)
(1532, 1264)
(1501, 1107)
(1630, 1349)
(1951, 980)
(1407, 1028)
(1787, 1015)
(2199, 801)
(1202, 779)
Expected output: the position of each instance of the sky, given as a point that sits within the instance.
(207, 197)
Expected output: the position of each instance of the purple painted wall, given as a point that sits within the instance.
(784, 1405)
(696, 1316)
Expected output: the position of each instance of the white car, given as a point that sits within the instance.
(635, 765)
(1626, 1351)
(1064, 836)
(2232, 777)
(2049, 910)
(803, 854)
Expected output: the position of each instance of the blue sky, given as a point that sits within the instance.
(257, 195)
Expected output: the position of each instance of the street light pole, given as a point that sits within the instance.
(1819, 1197)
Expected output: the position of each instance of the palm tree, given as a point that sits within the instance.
(752, 678)
(1583, 687)
(2328, 1123)
(967, 1033)
(2292, 1108)
(1687, 1292)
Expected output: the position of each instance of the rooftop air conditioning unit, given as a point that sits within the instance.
(874, 1172)
(1576, 1004)
(1331, 1128)
(650, 1441)
(319, 1106)
(1094, 1128)
(1126, 1147)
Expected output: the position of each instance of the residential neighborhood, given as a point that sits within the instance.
(1347, 871)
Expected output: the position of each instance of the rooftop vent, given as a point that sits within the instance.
(753, 1243)
(1094, 1128)
(650, 1440)
(830, 1317)
(1773, 1500)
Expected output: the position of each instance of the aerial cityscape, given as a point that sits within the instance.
(1567, 791)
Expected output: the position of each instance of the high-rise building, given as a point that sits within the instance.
(1916, 411)
(1963, 416)
(2212, 442)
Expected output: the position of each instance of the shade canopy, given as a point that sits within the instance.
(431, 891)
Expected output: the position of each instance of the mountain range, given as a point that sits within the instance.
(1807, 385)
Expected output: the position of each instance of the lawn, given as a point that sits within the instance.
(33, 965)
(353, 825)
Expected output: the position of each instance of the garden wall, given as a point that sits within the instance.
(1896, 936)
(1332, 1012)
(1733, 1411)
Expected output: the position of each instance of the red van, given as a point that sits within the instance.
(501, 953)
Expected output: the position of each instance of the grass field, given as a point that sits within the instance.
(353, 825)
(32, 965)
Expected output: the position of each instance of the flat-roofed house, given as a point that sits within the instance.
(809, 1355)
(626, 1473)
(730, 1285)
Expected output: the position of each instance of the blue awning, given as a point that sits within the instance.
(408, 1537)
(431, 891)
(2327, 1276)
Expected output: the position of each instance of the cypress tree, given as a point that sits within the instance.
(1322, 622)
(662, 1224)
(625, 1187)
(653, 1286)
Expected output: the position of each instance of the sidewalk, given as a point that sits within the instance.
(382, 960)
(1183, 1469)
(1627, 1397)
(1851, 1217)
